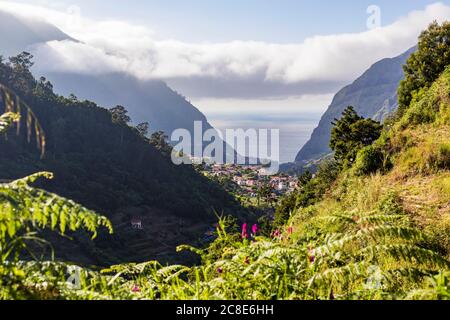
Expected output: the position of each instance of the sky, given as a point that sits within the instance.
(280, 21)
(272, 63)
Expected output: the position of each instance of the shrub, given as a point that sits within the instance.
(369, 160)
(391, 204)
(352, 133)
(425, 65)
(443, 156)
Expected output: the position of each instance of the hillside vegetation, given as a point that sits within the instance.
(369, 225)
(373, 95)
(109, 167)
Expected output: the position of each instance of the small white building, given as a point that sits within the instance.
(136, 223)
(281, 186)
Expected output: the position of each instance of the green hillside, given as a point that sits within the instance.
(111, 168)
(373, 223)
(373, 95)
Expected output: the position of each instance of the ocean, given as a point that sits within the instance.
(295, 128)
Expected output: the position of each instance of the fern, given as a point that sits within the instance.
(363, 236)
(15, 109)
(408, 253)
(7, 120)
(25, 208)
(343, 274)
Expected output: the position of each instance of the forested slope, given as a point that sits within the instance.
(110, 168)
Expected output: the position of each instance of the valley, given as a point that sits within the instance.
(97, 202)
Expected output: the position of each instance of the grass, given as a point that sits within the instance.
(381, 236)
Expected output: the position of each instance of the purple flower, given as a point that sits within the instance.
(276, 234)
(219, 270)
(135, 289)
(254, 229)
(311, 255)
(244, 233)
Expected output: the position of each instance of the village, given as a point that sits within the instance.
(249, 179)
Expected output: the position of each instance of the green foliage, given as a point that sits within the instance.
(106, 166)
(15, 109)
(372, 255)
(7, 120)
(310, 190)
(428, 104)
(327, 244)
(25, 211)
(438, 288)
(425, 65)
(285, 208)
(120, 115)
(143, 128)
(160, 141)
(369, 160)
(350, 134)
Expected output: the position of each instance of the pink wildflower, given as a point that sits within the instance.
(254, 229)
(135, 289)
(244, 233)
(311, 255)
(276, 234)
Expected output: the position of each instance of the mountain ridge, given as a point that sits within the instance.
(373, 95)
(150, 101)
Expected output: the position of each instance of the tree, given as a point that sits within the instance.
(143, 128)
(120, 115)
(22, 79)
(426, 64)
(25, 210)
(304, 178)
(265, 192)
(22, 61)
(352, 133)
(159, 141)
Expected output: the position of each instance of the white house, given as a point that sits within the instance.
(136, 223)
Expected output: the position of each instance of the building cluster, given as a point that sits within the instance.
(251, 178)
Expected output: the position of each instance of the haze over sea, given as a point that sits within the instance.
(295, 127)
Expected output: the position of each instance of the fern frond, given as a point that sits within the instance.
(171, 272)
(191, 249)
(380, 218)
(413, 274)
(13, 104)
(374, 233)
(22, 206)
(343, 274)
(7, 120)
(340, 219)
(409, 253)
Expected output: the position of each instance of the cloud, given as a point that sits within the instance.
(242, 69)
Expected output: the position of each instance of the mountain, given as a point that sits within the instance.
(147, 101)
(110, 168)
(373, 95)
(19, 34)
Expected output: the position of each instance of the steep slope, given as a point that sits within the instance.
(373, 95)
(418, 183)
(151, 101)
(18, 34)
(147, 101)
(108, 167)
